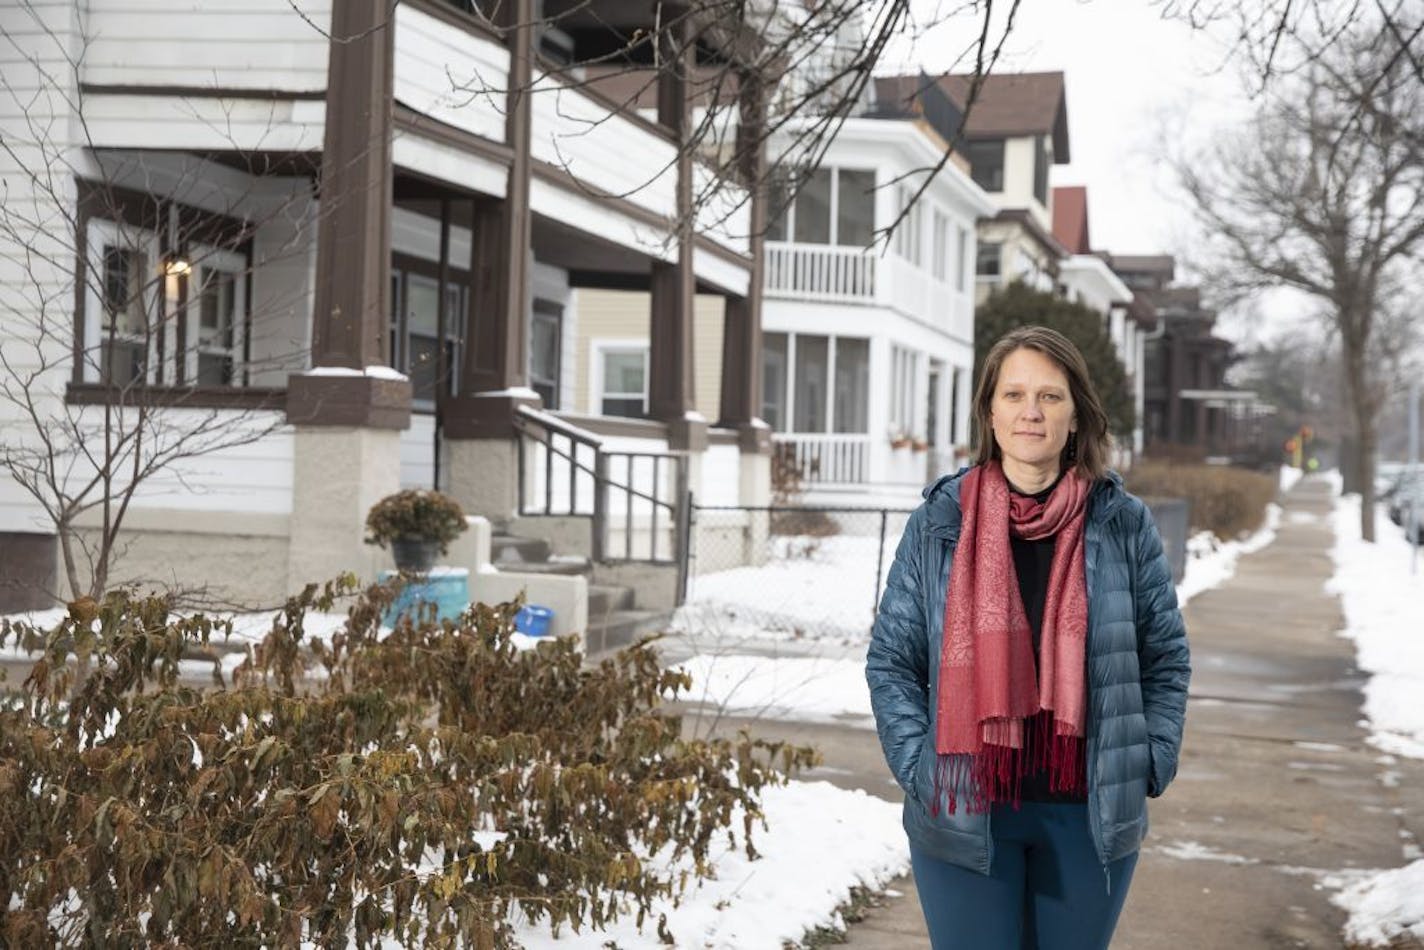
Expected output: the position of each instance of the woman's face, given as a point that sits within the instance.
(1032, 411)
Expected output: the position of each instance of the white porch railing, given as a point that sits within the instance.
(826, 272)
(820, 272)
(826, 458)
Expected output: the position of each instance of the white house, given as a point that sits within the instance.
(868, 346)
(356, 229)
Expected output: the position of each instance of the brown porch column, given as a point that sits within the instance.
(352, 294)
(346, 446)
(496, 359)
(670, 389)
(480, 439)
(741, 334)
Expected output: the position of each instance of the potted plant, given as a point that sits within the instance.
(418, 525)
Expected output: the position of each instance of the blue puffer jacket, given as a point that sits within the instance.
(1138, 668)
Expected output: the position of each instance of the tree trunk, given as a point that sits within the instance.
(1362, 412)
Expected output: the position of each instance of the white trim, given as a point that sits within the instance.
(599, 347)
(99, 233)
(228, 262)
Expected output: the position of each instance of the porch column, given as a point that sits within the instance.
(493, 382)
(346, 452)
(741, 336)
(670, 373)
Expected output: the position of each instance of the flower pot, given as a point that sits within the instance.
(415, 554)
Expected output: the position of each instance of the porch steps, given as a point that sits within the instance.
(614, 619)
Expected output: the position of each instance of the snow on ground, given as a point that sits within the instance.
(806, 688)
(729, 672)
(1380, 597)
(819, 842)
(810, 587)
(824, 588)
(1211, 561)
(1380, 593)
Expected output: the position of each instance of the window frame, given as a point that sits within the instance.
(553, 312)
(455, 309)
(786, 225)
(100, 233)
(236, 265)
(598, 350)
(988, 177)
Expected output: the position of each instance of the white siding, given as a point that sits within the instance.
(235, 44)
(450, 75)
(37, 239)
(609, 152)
(254, 478)
(417, 452)
(203, 124)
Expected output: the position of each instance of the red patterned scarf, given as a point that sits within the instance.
(989, 687)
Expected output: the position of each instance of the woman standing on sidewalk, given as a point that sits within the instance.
(1028, 668)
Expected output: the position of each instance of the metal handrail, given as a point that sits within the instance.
(542, 427)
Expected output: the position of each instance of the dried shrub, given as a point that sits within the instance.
(415, 513)
(425, 787)
(1226, 501)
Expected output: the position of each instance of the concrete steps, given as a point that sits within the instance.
(614, 619)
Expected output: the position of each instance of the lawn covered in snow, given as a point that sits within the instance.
(1380, 589)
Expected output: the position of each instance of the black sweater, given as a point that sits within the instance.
(1032, 560)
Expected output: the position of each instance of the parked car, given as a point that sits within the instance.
(1400, 510)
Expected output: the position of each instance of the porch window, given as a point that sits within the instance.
(123, 301)
(834, 206)
(417, 331)
(624, 381)
(217, 314)
(804, 401)
(813, 209)
(904, 384)
(852, 392)
(545, 340)
(939, 251)
(127, 303)
(812, 375)
(961, 258)
(855, 207)
(773, 380)
(908, 243)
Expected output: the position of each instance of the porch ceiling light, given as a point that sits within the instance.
(177, 266)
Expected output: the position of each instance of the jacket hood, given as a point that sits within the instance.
(942, 501)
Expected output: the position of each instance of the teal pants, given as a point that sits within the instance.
(1046, 890)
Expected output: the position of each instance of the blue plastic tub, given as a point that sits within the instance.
(533, 620)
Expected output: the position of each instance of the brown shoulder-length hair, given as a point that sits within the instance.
(1093, 440)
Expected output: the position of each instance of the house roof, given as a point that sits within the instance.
(1070, 218)
(1163, 264)
(1010, 104)
(1034, 229)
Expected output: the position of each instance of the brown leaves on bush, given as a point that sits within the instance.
(1226, 501)
(424, 785)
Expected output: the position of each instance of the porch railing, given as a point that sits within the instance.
(820, 272)
(826, 458)
(566, 471)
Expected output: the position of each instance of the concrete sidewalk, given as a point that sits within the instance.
(1277, 785)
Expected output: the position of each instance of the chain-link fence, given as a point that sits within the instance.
(790, 572)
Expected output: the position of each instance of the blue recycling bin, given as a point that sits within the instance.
(448, 588)
(533, 620)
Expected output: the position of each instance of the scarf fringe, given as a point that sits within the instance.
(996, 772)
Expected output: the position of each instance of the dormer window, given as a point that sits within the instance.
(986, 163)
